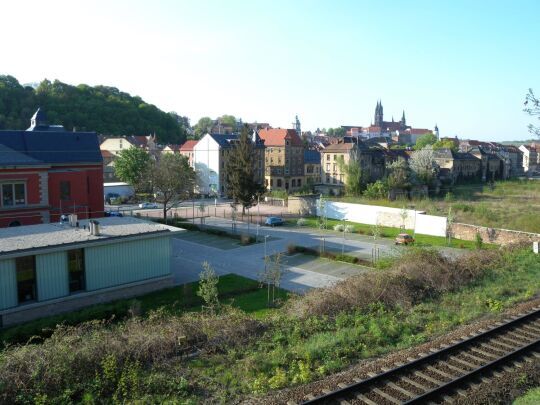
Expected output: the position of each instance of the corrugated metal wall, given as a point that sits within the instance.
(8, 284)
(52, 275)
(119, 263)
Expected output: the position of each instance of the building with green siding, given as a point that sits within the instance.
(59, 267)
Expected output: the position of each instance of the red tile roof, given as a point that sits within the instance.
(106, 154)
(188, 146)
(419, 131)
(277, 137)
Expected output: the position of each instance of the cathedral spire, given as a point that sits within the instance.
(378, 114)
(403, 121)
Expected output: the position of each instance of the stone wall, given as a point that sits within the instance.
(303, 205)
(492, 235)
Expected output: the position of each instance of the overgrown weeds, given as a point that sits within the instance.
(419, 274)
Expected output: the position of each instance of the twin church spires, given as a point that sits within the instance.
(379, 121)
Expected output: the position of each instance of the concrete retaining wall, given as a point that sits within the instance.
(387, 216)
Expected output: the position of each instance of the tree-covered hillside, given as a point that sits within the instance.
(105, 110)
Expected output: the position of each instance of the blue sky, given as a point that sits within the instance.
(465, 65)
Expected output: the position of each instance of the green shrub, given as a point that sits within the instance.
(478, 241)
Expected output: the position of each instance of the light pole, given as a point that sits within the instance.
(265, 236)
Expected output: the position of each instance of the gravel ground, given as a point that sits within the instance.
(501, 389)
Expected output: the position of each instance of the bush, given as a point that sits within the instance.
(376, 190)
(301, 222)
(478, 241)
(246, 239)
(416, 275)
(347, 258)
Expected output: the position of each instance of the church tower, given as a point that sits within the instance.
(296, 126)
(403, 121)
(378, 114)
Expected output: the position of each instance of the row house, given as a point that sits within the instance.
(187, 150)
(211, 155)
(312, 167)
(530, 158)
(456, 166)
(46, 172)
(284, 159)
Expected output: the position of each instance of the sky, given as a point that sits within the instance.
(463, 65)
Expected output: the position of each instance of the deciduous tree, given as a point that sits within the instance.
(132, 166)
(423, 166)
(424, 140)
(172, 180)
(532, 107)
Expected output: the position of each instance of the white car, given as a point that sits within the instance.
(146, 205)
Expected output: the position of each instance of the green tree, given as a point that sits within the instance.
(172, 180)
(445, 144)
(398, 175)
(354, 179)
(241, 166)
(532, 107)
(336, 132)
(203, 126)
(228, 120)
(424, 140)
(208, 288)
(132, 166)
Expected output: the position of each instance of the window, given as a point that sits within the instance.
(299, 183)
(328, 167)
(65, 190)
(76, 270)
(13, 194)
(279, 182)
(334, 180)
(293, 183)
(327, 157)
(271, 182)
(335, 157)
(327, 178)
(26, 278)
(335, 167)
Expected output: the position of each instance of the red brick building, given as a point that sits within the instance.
(47, 171)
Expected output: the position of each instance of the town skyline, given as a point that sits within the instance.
(466, 71)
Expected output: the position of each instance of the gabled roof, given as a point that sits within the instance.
(46, 147)
(107, 154)
(312, 157)
(278, 136)
(339, 147)
(443, 153)
(188, 146)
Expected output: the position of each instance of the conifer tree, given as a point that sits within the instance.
(242, 185)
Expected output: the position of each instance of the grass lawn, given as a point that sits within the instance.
(511, 204)
(389, 232)
(237, 291)
(532, 397)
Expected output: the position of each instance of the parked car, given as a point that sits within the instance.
(113, 214)
(404, 239)
(146, 205)
(273, 221)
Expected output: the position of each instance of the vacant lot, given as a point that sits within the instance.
(189, 357)
(512, 204)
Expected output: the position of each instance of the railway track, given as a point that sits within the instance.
(437, 376)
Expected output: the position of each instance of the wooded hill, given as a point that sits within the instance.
(105, 110)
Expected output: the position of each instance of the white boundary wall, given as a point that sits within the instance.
(386, 216)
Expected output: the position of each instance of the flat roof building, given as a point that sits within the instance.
(52, 268)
